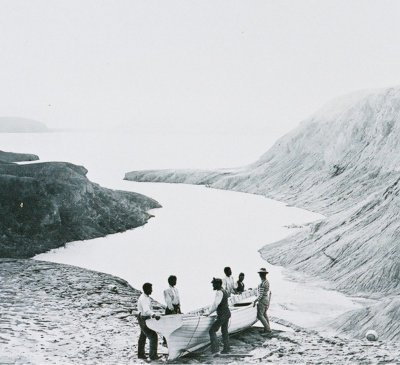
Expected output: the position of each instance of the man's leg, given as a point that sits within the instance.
(225, 334)
(153, 337)
(213, 335)
(261, 310)
(177, 308)
(268, 329)
(142, 339)
(141, 345)
(167, 312)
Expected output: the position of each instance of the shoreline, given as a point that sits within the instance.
(293, 291)
(61, 313)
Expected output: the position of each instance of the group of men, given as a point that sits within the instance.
(224, 288)
(173, 306)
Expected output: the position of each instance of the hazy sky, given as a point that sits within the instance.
(253, 66)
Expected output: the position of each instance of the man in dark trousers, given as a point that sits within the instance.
(146, 312)
(223, 314)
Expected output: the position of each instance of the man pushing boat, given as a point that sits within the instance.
(223, 314)
(186, 333)
(263, 300)
(146, 312)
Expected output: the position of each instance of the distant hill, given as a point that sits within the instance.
(21, 125)
(343, 162)
(45, 205)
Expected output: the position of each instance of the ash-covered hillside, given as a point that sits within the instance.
(349, 139)
(45, 205)
(344, 162)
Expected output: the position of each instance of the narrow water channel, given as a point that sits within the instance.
(195, 235)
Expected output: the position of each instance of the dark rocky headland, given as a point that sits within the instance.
(45, 205)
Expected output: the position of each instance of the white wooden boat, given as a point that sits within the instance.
(188, 332)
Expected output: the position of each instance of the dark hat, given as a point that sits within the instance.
(216, 281)
(263, 270)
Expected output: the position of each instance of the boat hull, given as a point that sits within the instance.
(187, 332)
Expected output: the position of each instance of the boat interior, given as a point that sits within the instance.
(235, 302)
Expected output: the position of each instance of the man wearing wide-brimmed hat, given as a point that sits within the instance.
(263, 299)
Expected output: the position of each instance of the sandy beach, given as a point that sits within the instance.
(53, 313)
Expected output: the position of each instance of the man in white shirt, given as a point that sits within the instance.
(228, 283)
(146, 312)
(223, 314)
(171, 296)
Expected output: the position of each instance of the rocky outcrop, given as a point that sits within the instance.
(196, 177)
(21, 125)
(45, 205)
(343, 162)
(17, 157)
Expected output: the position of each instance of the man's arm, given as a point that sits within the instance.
(224, 284)
(217, 301)
(147, 311)
(234, 285)
(168, 299)
(261, 291)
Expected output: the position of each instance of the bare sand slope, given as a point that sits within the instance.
(58, 313)
(52, 313)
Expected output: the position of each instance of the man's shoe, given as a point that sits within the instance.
(225, 351)
(143, 357)
(267, 333)
(155, 357)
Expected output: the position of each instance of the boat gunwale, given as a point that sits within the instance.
(201, 314)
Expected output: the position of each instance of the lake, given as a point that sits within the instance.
(198, 231)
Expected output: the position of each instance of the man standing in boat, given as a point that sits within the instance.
(262, 300)
(146, 312)
(240, 284)
(171, 296)
(228, 282)
(223, 314)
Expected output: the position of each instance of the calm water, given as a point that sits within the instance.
(198, 231)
